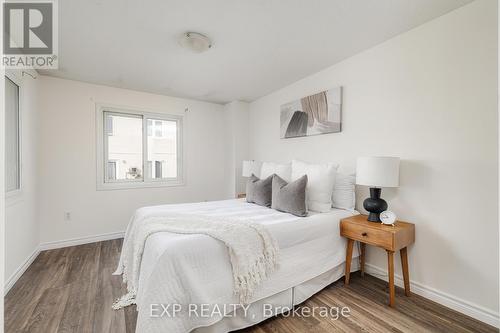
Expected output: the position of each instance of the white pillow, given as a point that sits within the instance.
(320, 182)
(284, 170)
(344, 196)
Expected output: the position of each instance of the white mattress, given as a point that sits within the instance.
(196, 268)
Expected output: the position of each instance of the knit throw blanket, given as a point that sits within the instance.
(253, 251)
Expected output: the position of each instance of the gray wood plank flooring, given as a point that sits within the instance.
(72, 289)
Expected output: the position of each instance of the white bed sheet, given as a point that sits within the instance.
(186, 269)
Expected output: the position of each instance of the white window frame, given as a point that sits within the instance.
(14, 195)
(102, 157)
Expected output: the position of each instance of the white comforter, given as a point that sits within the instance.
(195, 269)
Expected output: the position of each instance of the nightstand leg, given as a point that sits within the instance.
(390, 266)
(404, 263)
(362, 258)
(348, 259)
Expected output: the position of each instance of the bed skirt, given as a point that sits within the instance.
(280, 301)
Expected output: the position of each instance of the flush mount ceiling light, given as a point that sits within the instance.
(195, 42)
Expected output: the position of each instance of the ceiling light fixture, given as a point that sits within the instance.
(195, 42)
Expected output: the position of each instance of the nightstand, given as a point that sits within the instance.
(390, 238)
(241, 195)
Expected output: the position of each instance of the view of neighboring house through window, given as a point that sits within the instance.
(12, 132)
(140, 147)
(111, 170)
(124, 146)
(162, 149)
(158, 128)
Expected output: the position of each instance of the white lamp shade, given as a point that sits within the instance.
(246, 170)
(379, 171)
(250, 167)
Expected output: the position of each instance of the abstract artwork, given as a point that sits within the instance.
(312, 115)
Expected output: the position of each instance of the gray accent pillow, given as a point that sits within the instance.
(259, 190)
(290, 197)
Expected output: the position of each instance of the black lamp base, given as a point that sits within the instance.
(374, 217)
(375, 205)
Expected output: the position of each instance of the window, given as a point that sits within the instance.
(12, 137)
(138, 149)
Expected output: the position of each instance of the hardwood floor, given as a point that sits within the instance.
(71, 290)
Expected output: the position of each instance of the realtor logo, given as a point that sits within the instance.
(30, 34)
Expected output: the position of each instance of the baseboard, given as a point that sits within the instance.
(473, 310)
(80, 241)
(20, 271)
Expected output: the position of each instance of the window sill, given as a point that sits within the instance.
(138, 185)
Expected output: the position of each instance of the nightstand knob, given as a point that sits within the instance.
(364, 234)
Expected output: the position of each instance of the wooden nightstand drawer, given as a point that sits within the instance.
(367, 235)
(392, 238)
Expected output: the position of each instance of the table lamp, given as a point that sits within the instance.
(246, 170)
(249, 168)
(377, 172)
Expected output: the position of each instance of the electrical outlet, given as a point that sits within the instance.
(67, 216)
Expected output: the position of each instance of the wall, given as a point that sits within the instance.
(67, 167)
(2, 194)
(21, 223)
(236, 120)
(430, 97)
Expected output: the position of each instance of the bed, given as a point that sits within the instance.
(194, 270)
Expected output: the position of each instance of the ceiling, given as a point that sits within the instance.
(258, 45)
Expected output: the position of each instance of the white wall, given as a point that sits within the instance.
(21, 220)
(67, 168)
(430, 97)
(2, 194)
(236, 122)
